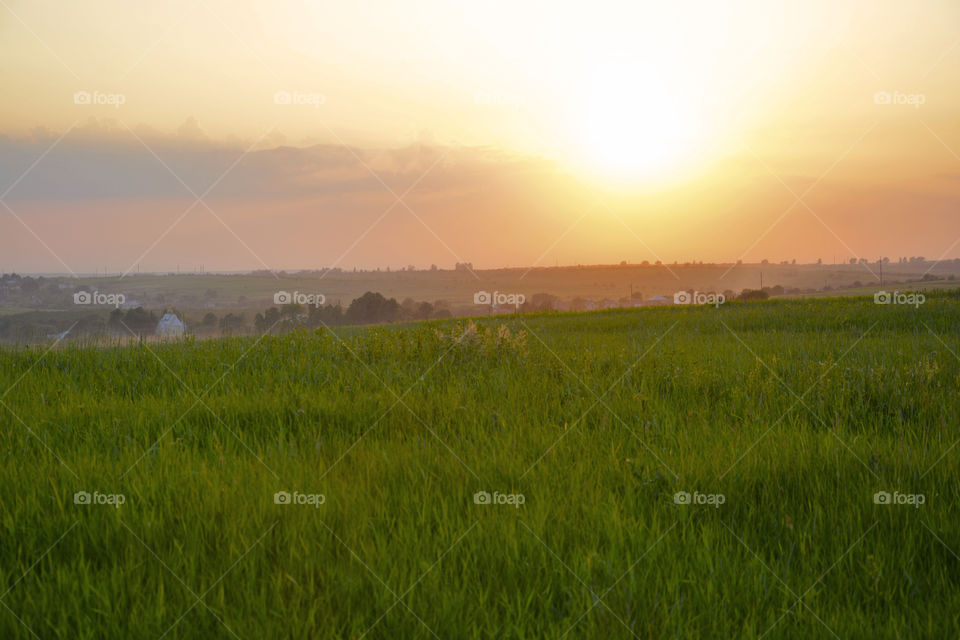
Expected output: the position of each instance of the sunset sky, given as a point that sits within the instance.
(303, 134)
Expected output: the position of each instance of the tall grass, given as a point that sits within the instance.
(796, 412)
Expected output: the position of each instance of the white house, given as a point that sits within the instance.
(171, 325)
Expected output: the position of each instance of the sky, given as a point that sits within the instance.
(305, 134)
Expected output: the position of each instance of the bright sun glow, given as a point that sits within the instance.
(636, 125)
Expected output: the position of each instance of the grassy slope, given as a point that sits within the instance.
(597, 419)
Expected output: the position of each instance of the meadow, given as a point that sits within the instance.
(779, 469)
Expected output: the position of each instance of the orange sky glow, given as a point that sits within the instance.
(300, 134)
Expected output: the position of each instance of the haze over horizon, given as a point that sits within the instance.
(295, 135)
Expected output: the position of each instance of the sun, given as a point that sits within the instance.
(636, 124)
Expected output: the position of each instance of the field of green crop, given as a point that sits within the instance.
(683, 472)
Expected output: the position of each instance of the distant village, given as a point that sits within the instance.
(37, 308)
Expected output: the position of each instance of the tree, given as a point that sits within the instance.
(751, 294)
(272, 316)
(262, 323)
(329, 315)
(138, 320)
(372, 308)
(231, 323)
(539, 302)
(408, 309)
(115, 321)
(291, 310)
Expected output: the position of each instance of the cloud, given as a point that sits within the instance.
(103, 159)
(108, 191)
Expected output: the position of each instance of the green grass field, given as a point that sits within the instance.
(792, 413)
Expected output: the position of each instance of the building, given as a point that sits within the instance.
(171, 325)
